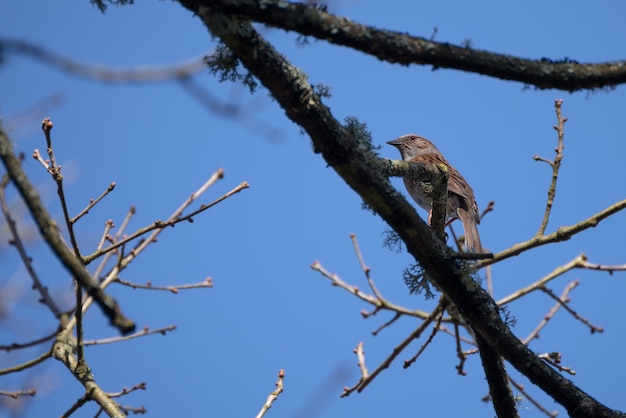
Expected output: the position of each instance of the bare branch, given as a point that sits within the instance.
(367, 379)
(63, 351)
(49, 231)
(379, 303)
(148, 74)
(26, 365)
(273, 396)
(531, 399)
(46, 299)
(563, 233)
(556, 165)
(560, 302)
(563, 302)
(93, 203)
(358, 166)
(396, 47)
(208, 282)
(145, 331)
(497, 378)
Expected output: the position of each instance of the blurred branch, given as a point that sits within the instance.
(22, 119)
(16, 240)
(175, 218)
(101, 73)
(49, 231)
(246, 117)
(26, 365)
(19, 346)
(18, 393)
(156, 228)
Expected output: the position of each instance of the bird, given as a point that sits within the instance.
(461, 202)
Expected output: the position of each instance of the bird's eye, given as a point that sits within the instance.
(413, 137)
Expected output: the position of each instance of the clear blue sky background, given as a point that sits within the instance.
(268, 310)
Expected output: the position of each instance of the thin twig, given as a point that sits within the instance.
(360, 355)
(373, 300)
(274, 395)
(19, 346)
(158, 226)
(431, 337)
(531, 399)
(459, 350)
(112, 275)
(365, 381)
(126, 391)
(93, 203)
(80, 402)
(27, 365)
(145, 331)
(556, 165)
(554, 359)
(397, 316)
(562, 301)
(18, 393)
(208, 282)
(50, 233)
(576, 262)
(99, 73)
(26, 260)
(563, 233)
(55, 171)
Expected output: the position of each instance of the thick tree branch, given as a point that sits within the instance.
(354, 161)
(497, 378)
(404, 49)
(434, 174)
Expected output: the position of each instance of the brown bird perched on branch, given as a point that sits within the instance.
(461, 202)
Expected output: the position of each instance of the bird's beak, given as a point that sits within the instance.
(395, 142)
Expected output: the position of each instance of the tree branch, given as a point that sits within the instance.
(50, 232)
(497, 378)
(147, 74)
(352, 158)
(396, 47)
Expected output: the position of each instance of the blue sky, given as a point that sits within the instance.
(268, 310)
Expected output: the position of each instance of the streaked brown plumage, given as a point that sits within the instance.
(461, 201)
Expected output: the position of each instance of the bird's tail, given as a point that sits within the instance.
(472, 239)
